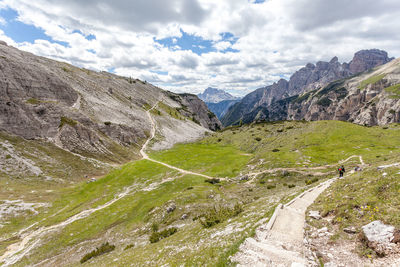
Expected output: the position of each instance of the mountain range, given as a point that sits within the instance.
(259, 103)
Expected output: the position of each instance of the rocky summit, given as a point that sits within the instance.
(311, 77)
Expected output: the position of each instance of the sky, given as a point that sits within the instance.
(189, 45)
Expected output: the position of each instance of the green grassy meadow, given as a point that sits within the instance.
(302, 150)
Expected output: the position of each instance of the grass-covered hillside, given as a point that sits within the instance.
(155, 215)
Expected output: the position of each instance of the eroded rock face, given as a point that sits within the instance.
(91, 113)
(308, 78)
(198, 110)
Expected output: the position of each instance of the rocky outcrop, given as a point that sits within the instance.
(197, 110)
(95, 114)
(368, 59)
(308, 78)
(214, 95)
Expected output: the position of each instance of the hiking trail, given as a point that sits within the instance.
(280, 242)
(152, 134)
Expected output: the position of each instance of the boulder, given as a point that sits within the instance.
(379, 232)
(378, 236)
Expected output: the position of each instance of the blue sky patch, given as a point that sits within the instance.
(159, 72)
(196, 44)
(21, 32)
(88, 37)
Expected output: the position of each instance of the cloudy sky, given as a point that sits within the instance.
(189, 45)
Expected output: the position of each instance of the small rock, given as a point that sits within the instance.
(323, 229)
(184, 216)
(396, 237)
(171, 207)
(244, 178)
(314, 214)
(350, 230)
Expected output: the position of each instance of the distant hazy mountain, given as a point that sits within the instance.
(309, 78)
(213, 95)
(220, 108)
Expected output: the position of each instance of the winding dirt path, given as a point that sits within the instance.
(152, 134)
(17, 251)
(280, 242)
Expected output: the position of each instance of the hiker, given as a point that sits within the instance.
(341, 171)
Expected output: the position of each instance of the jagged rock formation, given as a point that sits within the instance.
(308, 78)
(95, 114)
(213, 95)
(371, 98)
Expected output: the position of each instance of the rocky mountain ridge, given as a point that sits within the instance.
(370, 98)
(96, 115)
(308, 78)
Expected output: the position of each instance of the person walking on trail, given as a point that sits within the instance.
(341, 171)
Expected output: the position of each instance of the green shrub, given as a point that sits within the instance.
(8, 156)
(107, 123)
(157, 236)
(279, 130)
(271, 186)
(212, 180)
(311, 181)
(217, 215)
(104, 248)
(154, 227)
(291, 185)
(258, 139)
(33, 101)
(275, 150)
(325, 102)
(65, 120)
(129, 246)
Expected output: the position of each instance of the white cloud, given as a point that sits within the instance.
(274, 38)
(221, 46)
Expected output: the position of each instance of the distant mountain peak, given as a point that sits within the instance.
(214, 95)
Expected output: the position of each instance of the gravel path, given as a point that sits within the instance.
(280, 242)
